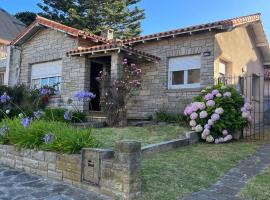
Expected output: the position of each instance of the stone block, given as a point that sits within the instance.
(193, 137)
(50, 157)
(55, 175)
(52, 166)
(42, 166)
(38, 155)
(128, 146)
(30, 163)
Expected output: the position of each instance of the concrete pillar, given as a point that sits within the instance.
(116, 65)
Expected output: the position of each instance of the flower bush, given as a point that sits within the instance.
(44, 135)
(118, 91)
(218, 112)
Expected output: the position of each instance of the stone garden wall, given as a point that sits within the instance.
(115, 173)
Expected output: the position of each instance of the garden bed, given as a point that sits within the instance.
(147, 134)
(176, 173)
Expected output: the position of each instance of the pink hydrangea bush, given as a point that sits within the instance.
(217, 113)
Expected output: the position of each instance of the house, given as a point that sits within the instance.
(10, 28)
(176, 64)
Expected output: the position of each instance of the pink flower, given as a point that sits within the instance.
(215, 117)
(247, 106)
(227, 94)
(192, 123)
(210, 103)
(219, 95)
(206, 132)
(210, 139)
(210, 122)
(215, 92)
(227, 138)
(207, 126)
(203, 114)
(216, 141)
(194, 116)
(198, 128)
(188, 110)
(209, 96)
(225, 132)
(219, 111)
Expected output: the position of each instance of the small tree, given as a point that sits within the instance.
(117, 92)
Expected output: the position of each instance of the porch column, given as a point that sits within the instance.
(116, 65)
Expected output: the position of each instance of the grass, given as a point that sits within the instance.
(147, 134)
(174, 174)
(259, 187)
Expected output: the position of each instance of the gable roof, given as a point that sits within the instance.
(10, 27)
(218, 25)
(43, 22)
(116, 46)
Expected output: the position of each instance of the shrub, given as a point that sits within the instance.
(163, 116)
(44, 135)
(118, 92)
(218, 112)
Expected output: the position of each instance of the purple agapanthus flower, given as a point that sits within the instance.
(68, 115)
(85, 96)
(39, 114)
(49, 138)
(26, 122)
(4, 98)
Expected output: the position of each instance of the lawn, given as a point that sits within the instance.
(147, 134)
(259, 187)
(173, 174)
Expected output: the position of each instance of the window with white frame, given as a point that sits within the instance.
(222, 68)
(47, 74)
(184, 72)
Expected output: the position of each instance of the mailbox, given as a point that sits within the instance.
(91, 160)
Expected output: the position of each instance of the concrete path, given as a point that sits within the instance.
(231, 184)
(18, 185)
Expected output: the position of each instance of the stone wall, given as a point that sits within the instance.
(119, 173)
(155, 94)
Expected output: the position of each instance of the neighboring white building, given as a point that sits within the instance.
(10, 29)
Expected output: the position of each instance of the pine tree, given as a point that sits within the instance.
(123, 16)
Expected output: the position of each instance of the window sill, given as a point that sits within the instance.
(197, 89)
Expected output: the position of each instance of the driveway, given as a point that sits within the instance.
(18, 185)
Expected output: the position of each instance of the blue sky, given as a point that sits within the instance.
(163, 15)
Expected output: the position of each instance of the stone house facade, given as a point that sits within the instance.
(176, 64)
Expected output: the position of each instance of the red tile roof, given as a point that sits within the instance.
(111, 47)
(218, 25)
(57, 26)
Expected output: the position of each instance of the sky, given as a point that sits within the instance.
(164, 15)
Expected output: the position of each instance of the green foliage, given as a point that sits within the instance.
(26, 17)
(123, 16)
(22, 100)
(67, 138)
(232, 117)
(163, 116)
(57, 114)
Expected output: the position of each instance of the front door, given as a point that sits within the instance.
(95, 86)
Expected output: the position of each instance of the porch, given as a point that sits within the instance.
(106, 58)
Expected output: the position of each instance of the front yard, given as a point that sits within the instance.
(174, 174)
(147, 134)
(259, 187)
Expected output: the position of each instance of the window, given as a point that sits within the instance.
(222, 69)
(184, 72)
(47, 74)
